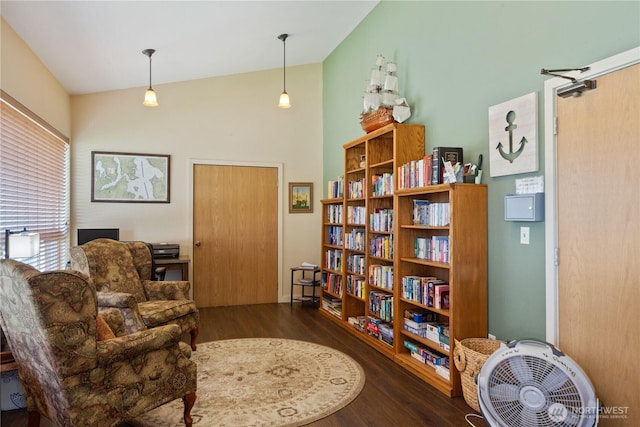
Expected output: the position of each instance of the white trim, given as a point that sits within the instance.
(192, 162)
(551, 86)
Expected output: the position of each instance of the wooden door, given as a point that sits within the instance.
(598, 185)
(235, 235)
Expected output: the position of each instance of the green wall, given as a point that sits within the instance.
(456, 59)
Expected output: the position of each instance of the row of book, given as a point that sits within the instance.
(334, 235)
(435, 248)
(355, 286)
(356, 189)
(381, 276)
(381, 220)
(335, 189)
(415, 174)
(429, 169)
(431, 214)
(381, 305)
(381, 247)
(356, 215)
(428, 291)
(437, 333)
(355, 240)
(440, 363)
(334, 214)
(332, 283)
(382, 185)
(333, 259)
(373, 327)
(381, 330)
(356, 264)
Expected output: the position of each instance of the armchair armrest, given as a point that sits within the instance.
(166, 290)
(127, 347)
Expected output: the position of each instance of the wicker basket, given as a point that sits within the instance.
(469, 355)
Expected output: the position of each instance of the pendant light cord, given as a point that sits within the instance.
(150, 73)
(284, 63)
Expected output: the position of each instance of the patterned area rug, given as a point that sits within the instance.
(265, 382)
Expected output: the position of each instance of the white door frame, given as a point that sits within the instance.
(551, 87)
(282, 296)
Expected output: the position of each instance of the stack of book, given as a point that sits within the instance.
(332, 305)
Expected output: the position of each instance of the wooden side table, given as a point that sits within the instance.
(181, 264)
(305, 278)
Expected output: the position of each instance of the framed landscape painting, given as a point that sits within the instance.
(300, 197)
(129, 177)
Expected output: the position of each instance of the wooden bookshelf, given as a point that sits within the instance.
(465, 272)
(367, 291)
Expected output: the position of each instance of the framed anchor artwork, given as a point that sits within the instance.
(513, 136)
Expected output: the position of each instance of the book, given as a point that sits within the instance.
(438, 294)
(441, 155)
(308, 266)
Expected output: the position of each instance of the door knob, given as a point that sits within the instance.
(197, 243)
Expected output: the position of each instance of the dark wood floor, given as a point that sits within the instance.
(391, 395)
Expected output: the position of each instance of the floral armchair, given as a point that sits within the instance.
(122, 273)
(68, 373)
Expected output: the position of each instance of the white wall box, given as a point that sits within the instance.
(524, 207)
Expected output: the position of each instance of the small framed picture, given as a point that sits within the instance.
(300, 197)
(129, 177)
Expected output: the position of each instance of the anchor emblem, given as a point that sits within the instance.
(511, 155)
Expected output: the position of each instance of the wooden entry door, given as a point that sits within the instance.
(235, 235)
(598, 187)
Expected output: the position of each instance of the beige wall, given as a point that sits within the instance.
(233, 118)
(26, 79)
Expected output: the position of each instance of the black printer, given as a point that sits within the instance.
(166, 250)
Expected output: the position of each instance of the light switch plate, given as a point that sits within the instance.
(524, 235)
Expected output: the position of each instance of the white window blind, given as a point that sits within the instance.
(34, 183)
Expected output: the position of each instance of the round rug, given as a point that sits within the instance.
(265, 382)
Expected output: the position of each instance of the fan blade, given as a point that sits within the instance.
(555, 379)
(520, 369)
(505, 393)
(528, 418)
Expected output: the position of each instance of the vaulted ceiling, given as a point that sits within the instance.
(95, 46)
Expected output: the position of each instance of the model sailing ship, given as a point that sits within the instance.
(382, 103)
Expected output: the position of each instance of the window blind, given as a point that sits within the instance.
(34, 183)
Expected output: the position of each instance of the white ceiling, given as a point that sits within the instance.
(95, 46)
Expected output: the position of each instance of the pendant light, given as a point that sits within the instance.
(150, 99)
(284, 97)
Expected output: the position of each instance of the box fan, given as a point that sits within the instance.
(531, 384)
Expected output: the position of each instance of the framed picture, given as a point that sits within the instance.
(300, 197)
(129, 177)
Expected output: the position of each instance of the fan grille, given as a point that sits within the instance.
(528, 391)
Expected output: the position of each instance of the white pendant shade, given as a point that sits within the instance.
(150, 99)
(284, 100)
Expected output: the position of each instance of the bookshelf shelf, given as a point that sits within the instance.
(462, 232)
(425, 262)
